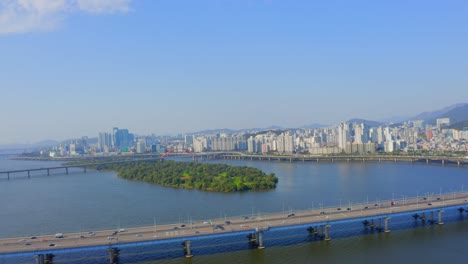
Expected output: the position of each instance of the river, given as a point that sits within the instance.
(100, 200)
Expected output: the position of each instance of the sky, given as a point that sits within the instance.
(72, 68)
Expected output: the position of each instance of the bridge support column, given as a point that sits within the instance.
(29, 174)
(39, 259)
(327, 234)
(49, 259)
(372, 223)
(188, 249)
(443, 162)
(84, 169)
(440, 217)
(431, 217)
(315, 231)
(114, 255)
(260, 240)
(423, 217)
(66, 170)
(48, 172)
(8, 175)
(458, 163)
(379, 227)
(386, 224)
(427, 161)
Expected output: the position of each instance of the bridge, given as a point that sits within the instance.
(459, 161)
(317, 222)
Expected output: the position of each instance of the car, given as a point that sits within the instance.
(366, 207)
(22, 240)
(121, 230)
(376, 204)
(291, 215)
(114, 233)
(322, 213)
(110, 238)
(59, 235)
(33, 237)
(246, 217)
(424, 198)
(339, 209)
(52, 245)
(349, 208)
(206, 223)
(429, 204)
(182, 225)
(227, 222)
(138, 235)
(91, 234)
(175, 227)
(438, 198)
(219, 227)
(27, 244)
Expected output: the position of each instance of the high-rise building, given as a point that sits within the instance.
(104, 141)
(343, 135)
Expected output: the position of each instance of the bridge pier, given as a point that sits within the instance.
(386, 224)
(84, 168)
(114, 255)
(427, 161)
(8, 175)
(29, 174)
(66, 170)
(440, 217)
(188, 249)
(39, 259)
(458, 163)
(48, 172)
(372, 223)
(423, 217)
(379, 227)
(431, 217)
(49, 259)
(260, 239)
(443, 162)
(327, 235)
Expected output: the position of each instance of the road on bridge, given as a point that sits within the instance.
(218, 226)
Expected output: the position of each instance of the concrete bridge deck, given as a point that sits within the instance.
(245, 224)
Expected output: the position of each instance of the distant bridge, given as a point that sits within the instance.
(459, 161)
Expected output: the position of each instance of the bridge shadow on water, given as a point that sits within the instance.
(284, 236)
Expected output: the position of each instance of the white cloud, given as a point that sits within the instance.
(21, 16)
(103, 6)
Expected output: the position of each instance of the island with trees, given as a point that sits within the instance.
(193, 175)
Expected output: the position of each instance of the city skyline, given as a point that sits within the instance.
(160, 67)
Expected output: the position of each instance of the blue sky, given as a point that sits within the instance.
(70, 68)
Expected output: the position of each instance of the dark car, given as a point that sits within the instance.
(227, 222)
(322, 213)
(339, 209)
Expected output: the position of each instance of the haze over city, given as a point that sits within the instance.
(74, 67)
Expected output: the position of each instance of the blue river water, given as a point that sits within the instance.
(96, 200)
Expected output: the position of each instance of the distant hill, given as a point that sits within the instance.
(314, 125)
(457, 114)
(41, 144)
(370, 123)
(459, 125)
(431, 116)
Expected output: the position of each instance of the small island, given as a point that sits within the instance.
(194, 175)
